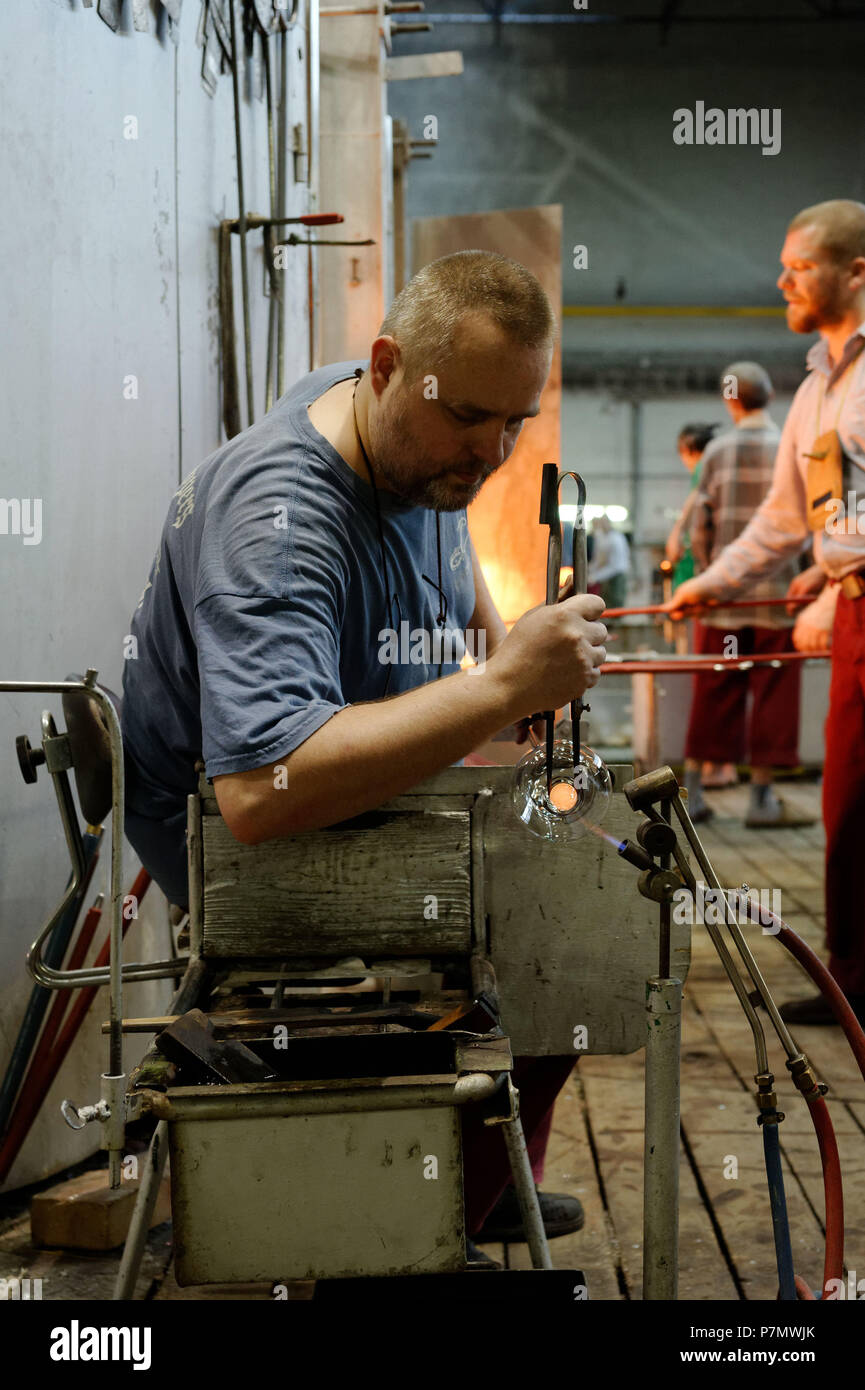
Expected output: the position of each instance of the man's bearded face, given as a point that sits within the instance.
(437, 436)
(815, 286)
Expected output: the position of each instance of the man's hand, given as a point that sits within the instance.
(552, 654)
(813, 629)
(806, 585)
(688, 595)
(810, 638)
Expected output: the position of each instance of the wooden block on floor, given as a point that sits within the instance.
(84, 1213)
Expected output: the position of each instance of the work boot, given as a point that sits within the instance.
(560, 1214)
(698, 809)
(816, 1013)
(766, 811)
(480, 1258)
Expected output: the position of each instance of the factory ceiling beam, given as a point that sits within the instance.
(850, 16)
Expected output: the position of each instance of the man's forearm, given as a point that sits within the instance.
(486, 617)
(365, 755)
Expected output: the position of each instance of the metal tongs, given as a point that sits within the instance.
(551, 481)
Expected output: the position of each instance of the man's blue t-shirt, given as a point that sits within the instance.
(262, 614)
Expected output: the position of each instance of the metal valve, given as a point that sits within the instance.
(77, 1119)
(659, 885)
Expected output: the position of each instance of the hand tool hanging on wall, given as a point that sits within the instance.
(231, 415)
(244, 264)
(110, 12)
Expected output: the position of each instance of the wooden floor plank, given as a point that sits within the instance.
(570, 1169)
(617, 1109)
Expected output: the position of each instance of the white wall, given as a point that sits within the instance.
(597, 442)
(108, 269)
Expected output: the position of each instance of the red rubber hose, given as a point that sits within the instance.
(828, 987)
(61, 997)
(46, 1065)
(833, 1263)
(833, 1267)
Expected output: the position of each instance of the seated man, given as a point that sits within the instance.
(290, 556)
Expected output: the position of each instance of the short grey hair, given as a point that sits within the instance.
(426, 315)
(754, 388)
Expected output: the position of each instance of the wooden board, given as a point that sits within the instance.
(341, 892)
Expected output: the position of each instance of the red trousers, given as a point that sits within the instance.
(721, 729)
(844, 798)
(486, 1169)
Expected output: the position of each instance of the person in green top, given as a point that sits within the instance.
(691, 445)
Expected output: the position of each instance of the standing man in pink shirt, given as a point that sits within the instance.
(819, 486)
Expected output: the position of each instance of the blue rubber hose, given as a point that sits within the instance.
(778, 1201)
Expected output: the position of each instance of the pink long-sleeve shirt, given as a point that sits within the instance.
(829, 398)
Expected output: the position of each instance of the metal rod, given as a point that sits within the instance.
(268, 233)
(661, 608)
(742, 946)
(661, 1145)
(550, 516)
(675, 666)
(191, 990)
(139, 1226)
(314, 110)
(244, 266)
(665, 915)
(580, 567)
(282, 157)
(71, 979)
(315, 1098)
(527, 1196)
(298, 241)
(720, 945)
(839, 16)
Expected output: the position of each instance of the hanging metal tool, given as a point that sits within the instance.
(292, 240)
(244, 264)
(231, 414)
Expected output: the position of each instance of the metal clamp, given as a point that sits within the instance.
(77, 1119)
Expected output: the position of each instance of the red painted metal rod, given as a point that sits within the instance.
(660, 608)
